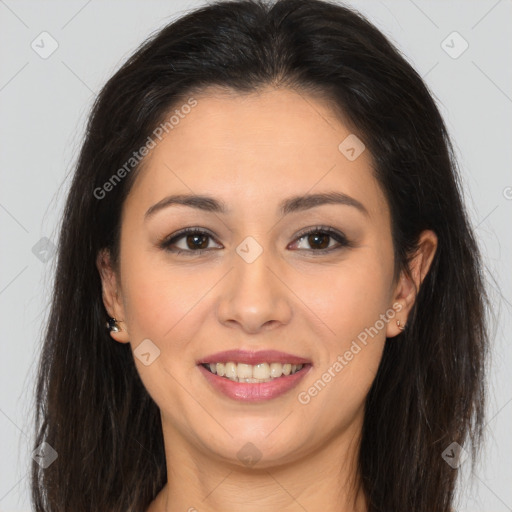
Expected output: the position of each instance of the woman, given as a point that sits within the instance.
(268, 293)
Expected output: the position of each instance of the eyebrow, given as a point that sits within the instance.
(290, 205)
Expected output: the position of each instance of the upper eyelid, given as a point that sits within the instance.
(188, 231)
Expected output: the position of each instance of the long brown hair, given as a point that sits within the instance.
(91, 406)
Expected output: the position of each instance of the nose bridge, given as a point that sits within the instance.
(255, 296)
(252, 264)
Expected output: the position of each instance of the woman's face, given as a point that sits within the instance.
(260, 284)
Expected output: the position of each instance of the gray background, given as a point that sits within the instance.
(43, 108)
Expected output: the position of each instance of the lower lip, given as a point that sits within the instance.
(254, 392)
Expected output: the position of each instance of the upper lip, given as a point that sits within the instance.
(253, 358)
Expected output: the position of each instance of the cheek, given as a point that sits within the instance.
(161, 300)
(354, 297)
(166, 307)
(349, 355)
(352, 305)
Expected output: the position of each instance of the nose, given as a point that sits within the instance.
(255, 296)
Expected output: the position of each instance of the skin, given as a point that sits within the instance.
(252, 152)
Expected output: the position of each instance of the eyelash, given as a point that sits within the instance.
(332, 233)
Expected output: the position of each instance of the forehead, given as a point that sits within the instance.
(256, 146)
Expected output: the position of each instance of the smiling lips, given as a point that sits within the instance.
(253, 376)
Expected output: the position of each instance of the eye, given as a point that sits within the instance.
(195, 241)
(318, 238)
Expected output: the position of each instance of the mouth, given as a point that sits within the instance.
(253, 376)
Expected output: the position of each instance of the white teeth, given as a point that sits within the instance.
(262, 372)
(230, 370)
(276, 370)
(244, 371)
(220, 369)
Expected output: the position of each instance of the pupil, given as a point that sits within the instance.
(315, 237)
(194, 245)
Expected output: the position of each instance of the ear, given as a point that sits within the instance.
(408, 286)
(111, 295)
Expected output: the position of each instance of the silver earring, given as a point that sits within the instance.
(401, 327)
(112, 325)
